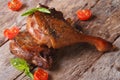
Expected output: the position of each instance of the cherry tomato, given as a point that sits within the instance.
(15, 5)
(84, 14)
(11, 33)
(40, 74)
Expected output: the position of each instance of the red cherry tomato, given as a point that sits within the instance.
(11, 33)
(40, 74)
(15, 5)
(84, 14)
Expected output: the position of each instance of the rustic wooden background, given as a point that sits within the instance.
(77, 62)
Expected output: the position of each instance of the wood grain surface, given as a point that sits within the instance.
(76, 62)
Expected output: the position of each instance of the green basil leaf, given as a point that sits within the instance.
(31, 11)
(28, 73)
(44, 10)
(19, 64)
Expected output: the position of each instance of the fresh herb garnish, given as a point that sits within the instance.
(21, 65)
(31, 11)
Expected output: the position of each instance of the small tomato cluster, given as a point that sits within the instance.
(15, 5)
(84, 14)
(11, 33)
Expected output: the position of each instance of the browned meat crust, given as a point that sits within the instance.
(24, 46)
(56, 32)
(47, 32)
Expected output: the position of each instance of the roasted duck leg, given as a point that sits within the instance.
(54, 31)
(47, 32)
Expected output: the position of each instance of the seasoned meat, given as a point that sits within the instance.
(56, 32)
(46, 32)
(24, 46)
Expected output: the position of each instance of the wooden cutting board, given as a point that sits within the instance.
(76, 62)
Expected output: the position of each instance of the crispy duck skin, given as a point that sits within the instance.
(56, 32)
(25, 47)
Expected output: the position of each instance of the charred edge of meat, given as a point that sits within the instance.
(44, 58)
(54, 13)
(24, 46)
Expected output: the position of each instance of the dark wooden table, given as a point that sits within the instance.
(77, 62)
